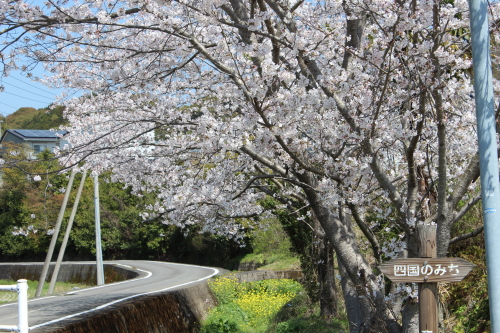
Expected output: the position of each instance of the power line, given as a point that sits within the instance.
(10, 84)
(10, 106)
(29, 84)
(7, 112)
(31, 99)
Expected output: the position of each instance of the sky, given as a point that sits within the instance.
(19, 91)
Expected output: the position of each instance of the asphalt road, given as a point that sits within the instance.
(155, 277)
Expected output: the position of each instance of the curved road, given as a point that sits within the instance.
(155, 277)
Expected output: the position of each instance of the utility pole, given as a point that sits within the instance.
(98, 246)
(55, 273)
(488, 157)
(53, 241)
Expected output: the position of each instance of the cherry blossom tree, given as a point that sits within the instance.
(359, 112)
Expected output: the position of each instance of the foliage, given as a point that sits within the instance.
(30, 118)
(304, 243)
(29, 205)
(14, 120)
(124, 235)
(270, 244)
(221, 326)
(467, 302)
(6, 296)
(248, 307)
(302, 315)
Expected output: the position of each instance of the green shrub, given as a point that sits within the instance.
(221, 326)
(248, 307)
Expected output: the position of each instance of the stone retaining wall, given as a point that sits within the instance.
(178, 311)
(267, 275)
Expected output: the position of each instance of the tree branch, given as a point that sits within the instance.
(466, 208)
(471, 234)
(254, 178)
(366, 231)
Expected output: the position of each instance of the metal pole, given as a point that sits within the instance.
(488, 157)
(98, 246)
(22, 303)
(53, 241)
(66, 235)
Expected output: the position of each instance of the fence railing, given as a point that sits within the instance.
(22, 289)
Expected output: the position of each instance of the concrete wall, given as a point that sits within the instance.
(69, 272)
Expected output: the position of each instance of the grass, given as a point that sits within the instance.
(280, 306)
(271, 247)
(302, 316)
(8, 296)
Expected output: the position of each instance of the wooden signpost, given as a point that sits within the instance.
(427, 271)
(420, 270)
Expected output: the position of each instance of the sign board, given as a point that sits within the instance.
(424, 270)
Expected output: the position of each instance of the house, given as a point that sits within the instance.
(36, 140)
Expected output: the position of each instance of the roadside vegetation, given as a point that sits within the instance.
(467, 302)
(269, 306)
(280, 306)
(271, 248)
(8, 296)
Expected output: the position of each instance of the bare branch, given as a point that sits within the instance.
(472, 202)
(471, 234)
(470, 174)
(263, 160)
(366, 231)
(250, 182)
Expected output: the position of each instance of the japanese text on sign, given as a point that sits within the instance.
(425, 270)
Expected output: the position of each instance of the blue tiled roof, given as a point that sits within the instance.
(37, 134)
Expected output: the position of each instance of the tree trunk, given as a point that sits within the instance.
(376, 317)
(326, 277)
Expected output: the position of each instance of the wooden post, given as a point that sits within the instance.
(427, 271)
(427, 291)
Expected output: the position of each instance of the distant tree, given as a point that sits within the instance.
(30, 198)
(31, 118)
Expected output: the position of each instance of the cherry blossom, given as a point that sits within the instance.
(361, 112)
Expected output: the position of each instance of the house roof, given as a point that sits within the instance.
(36, 135)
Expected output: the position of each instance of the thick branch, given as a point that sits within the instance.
(412, 173)
(366, 231)
(354, 33)
(470, 174)
(263, 160)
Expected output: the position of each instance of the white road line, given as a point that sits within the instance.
(149, 274)
(216, 271)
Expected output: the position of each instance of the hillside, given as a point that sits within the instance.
(31, 118)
